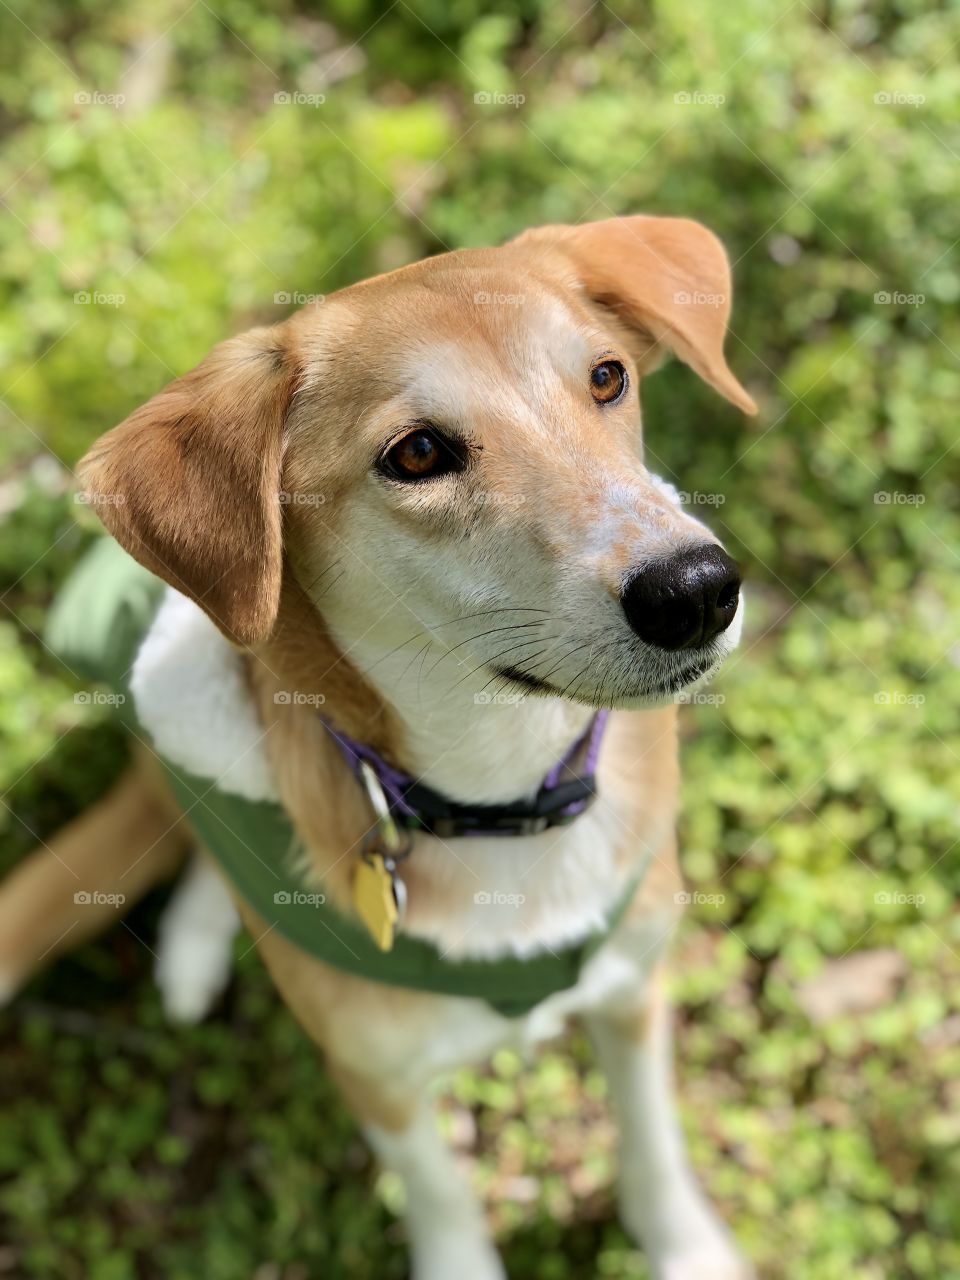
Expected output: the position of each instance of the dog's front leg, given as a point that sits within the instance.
(448, 1235)
(661, 1204)
(373, 1040)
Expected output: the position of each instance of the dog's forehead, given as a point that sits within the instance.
(492, 346)
(464, 330)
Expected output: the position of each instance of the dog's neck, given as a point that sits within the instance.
(466, 737)
(447, 725)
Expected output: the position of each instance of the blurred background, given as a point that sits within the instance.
(173, 172)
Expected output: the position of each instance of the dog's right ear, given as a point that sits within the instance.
(189, 483)
(667, 279)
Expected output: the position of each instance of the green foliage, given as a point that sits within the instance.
(821, 811)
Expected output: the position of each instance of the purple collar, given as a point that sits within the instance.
(566, 792)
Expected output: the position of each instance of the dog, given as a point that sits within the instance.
(415, 562)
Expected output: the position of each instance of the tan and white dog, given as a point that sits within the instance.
(458, 443)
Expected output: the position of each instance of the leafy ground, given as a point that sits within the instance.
(817, 972)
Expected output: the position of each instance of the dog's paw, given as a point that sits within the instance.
(195, 945)
(721, 1262)
(192, 971)
(448, 1256)
(683, 1237)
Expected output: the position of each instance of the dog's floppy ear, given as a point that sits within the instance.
(667, 278)
(189, 483)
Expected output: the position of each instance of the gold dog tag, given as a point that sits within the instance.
(379, 895)
(375, 897)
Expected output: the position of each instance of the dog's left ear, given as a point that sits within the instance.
(667, 278)
(189, 483)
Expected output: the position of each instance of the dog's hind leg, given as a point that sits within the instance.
(89, 874)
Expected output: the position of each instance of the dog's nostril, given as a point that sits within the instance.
(729, 595)
(685, 599)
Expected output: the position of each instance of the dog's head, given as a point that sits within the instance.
(453, 450)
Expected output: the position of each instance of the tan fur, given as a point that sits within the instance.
(634, 1024)
(343, 1014)
(301, 656)
(123, 845)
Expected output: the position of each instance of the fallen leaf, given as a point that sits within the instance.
(853, 984)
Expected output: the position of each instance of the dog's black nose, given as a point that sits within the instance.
(683, 600)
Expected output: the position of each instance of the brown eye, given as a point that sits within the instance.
(422, 454)
(608, 379)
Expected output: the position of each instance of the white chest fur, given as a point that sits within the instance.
(519, 895)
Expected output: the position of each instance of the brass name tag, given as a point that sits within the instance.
(375, 897)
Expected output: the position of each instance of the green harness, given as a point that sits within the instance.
(96, 626)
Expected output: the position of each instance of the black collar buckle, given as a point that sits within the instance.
(557, 807)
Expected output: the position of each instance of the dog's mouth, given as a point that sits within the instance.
(681, 679)
(673, 684)
(516, 676)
